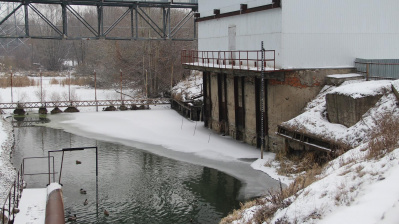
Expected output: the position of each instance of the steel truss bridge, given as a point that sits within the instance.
(87, 103)
(16, 18)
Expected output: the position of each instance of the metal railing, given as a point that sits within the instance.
(87, 103)
(240, 60)
(378, 68)
(10, 205)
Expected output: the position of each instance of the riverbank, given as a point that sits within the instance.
(359, 186)
(7, 171)
(163, 131)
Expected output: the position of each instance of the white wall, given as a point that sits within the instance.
(333, 33)
(251, 29)
(308, 33)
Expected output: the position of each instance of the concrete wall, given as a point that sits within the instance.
(287, 99)
(250, 111)
(231, 115)
(346, 110)
(214, 121)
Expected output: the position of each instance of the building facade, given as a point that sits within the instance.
(309, 39)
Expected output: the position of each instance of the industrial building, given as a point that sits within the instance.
(304, 41)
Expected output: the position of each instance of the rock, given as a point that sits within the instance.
(123, 107)
(42, 110)
(110, 108)
(71, 110)
(19, 111)
(56, 110)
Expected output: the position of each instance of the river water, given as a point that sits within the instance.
(134, 185)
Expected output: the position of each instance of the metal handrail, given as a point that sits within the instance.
(241, 60)
(14, 194)
(370, 70)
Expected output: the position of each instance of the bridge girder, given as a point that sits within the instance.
(163, 31)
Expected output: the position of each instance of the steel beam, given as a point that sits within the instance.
(135, 8)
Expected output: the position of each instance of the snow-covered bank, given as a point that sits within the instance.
(163, 131)
(355, 187)
(7, 171)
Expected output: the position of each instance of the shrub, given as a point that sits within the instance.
(384, 137)
(54, 81)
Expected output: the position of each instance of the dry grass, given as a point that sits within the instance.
(298, 162)
(384, 139)
(281, 199)
(385, 136)
(17, 81)
(79, 81)
(54, 81)
(237, 213)
(177, 96)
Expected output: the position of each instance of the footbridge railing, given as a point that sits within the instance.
(87, 103)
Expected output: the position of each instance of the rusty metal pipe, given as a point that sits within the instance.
(55, 208)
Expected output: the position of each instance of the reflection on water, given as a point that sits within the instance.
(134, 186)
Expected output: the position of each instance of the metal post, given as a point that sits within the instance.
(367, 71)
(262, 104)
(70, 88)
(11, 88)
(26, 20)
(95, 89)
(53, 171)
(18, 186)
(49, 170)
(171, 78)
(13, 201)
(64, 21)
(121, 86)
(62, 162)
(97, 179)
(41, 87)
(146, 83)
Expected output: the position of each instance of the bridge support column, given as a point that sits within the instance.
(123, 107)
(42, 110)
(19, 111)
(71, 110)
(56, 110)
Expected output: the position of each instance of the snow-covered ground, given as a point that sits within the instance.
(352, 188)
(32, 207)
(7, 172)
(189, 88)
